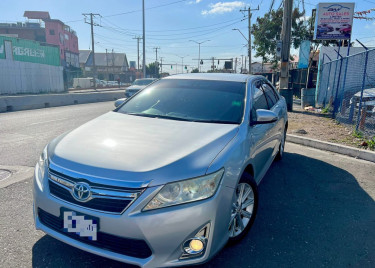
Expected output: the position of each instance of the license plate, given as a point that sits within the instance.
(80, 224)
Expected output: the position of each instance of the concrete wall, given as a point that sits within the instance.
(25, 77)
(27, 102)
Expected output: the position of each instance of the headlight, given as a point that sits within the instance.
(186, 191)
(41, 166)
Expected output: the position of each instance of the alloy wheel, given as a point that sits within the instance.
(242, 209)
(282, 145)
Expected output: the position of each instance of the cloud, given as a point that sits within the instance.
(369, 26)
(194, 2)
(223, 7)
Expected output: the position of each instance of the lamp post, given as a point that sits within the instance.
(182, 59)
(249, 47)
(199, 53)
(144, 39)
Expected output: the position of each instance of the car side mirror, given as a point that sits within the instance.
(265, 117)
(119, 102)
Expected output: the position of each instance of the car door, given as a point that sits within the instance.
(275, 105)
(261, 151)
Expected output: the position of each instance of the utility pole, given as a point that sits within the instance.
(113, 64)
(249, 40)
(144, 40)
(285, 53)
(138, 38)
(241, 63)
(156, 50)
(92, 42)
(161, 65)
(106, 59)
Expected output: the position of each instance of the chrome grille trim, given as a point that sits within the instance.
(97, 192)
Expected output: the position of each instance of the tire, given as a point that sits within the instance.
(280, 153)
(247, 215)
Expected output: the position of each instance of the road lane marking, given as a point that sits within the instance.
(49, 121)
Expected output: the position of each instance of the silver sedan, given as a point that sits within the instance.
(167, 178)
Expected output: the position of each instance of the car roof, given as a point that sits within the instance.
(370, 92)
(214, 76)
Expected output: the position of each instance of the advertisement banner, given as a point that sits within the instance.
(304, 54)
(334, 21)
(31, 51)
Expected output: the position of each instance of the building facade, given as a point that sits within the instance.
(40, 27)
(109, 65)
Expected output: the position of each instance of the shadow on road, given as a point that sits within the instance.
(310, 214)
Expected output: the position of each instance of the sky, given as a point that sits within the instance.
(170, 25)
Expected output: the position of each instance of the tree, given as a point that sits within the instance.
(151, 70)
(267, 30)
(196, 70)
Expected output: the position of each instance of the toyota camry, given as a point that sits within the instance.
(170, 176)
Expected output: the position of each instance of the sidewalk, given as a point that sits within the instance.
(318, 126)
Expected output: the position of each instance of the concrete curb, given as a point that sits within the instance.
(332, 147)
(27, 102)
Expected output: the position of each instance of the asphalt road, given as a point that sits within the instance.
(316, 208)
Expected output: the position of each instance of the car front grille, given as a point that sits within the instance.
(126, 246)
(101, 204)
(104, 198)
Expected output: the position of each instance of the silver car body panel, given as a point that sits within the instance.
(132, 151)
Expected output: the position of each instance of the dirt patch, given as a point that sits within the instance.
(321, 127)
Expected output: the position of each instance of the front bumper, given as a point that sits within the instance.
(164, 230)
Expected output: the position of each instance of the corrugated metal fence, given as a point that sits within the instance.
(18, 77)
(26, 67)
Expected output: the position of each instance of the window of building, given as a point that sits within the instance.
(51, 32)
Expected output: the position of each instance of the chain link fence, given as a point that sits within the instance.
(347, 90)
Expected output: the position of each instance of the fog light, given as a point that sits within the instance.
(196, 245)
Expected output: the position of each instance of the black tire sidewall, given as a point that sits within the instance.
(247, 178)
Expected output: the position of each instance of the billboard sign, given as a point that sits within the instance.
(334, 21)
(31, 51)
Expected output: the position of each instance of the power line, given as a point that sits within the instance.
(181, 29)
(134, 11)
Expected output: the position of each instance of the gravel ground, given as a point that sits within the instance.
(321, 127)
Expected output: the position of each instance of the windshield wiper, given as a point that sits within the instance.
(183, 119)
(216, 122)
(159, 116)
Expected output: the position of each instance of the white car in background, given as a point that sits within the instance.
(138, 85)
(368, 101)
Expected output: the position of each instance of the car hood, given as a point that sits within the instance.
(135, 87)
(140, 149)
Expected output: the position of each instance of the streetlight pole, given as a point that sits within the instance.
(182, 59)
(199, 52)
(144, 40)
(249, 51)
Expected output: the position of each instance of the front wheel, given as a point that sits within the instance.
(280, 153)
(244, 208)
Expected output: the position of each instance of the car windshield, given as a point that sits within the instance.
(142, 82)
(190, 100)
